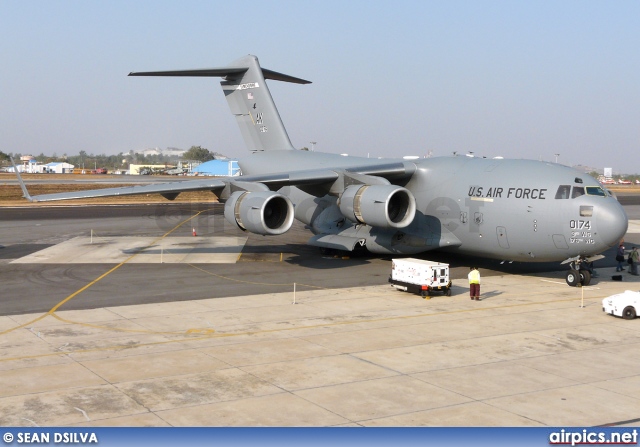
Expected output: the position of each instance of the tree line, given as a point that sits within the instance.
(118, 161)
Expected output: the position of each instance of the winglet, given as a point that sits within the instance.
(25, 193)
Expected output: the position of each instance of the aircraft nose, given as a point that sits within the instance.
(612, 223)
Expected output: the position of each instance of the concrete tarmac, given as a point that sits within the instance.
(108, 342)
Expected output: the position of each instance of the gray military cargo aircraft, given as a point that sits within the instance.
(508, 210)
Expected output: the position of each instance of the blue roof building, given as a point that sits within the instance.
(218, 167)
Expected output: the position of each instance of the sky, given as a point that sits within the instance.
(389, 78)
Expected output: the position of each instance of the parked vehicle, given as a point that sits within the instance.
(420, 276)
(625, 304)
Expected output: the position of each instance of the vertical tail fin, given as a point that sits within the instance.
(249, 99)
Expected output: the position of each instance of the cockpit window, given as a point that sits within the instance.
(595, 191)
(563, 192)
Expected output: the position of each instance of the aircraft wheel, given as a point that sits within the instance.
(585, 277)
(629, 313)
(573, 278)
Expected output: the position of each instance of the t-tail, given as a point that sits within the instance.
(249, 99)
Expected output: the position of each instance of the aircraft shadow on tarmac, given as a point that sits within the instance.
(326, 261)
(157, 249)
(311, 257)
(516, 267)
(19, 250)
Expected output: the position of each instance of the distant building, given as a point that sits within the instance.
(218, 167)
(28, 166)
(57, 168)
(586, 169)
(145, 169)
(32, 167)
(168, 152)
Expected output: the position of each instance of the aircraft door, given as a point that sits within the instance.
(501, 232)
(560, 242)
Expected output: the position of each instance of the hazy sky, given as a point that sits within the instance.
(519, 79)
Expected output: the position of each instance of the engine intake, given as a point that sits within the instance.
(384, 206)
(263, 212)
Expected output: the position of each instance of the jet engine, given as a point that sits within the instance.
(262, 212)
(383, 206)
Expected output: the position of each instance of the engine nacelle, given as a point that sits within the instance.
(263, 212)
(384, 206)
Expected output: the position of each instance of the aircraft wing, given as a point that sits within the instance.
(169, 190)
(223, 186)
(220, 185)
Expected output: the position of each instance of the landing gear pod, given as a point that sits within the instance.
(384, 206)
(263, 212)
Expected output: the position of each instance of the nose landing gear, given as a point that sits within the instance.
(580, 272)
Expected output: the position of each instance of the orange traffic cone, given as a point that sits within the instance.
(194, 232)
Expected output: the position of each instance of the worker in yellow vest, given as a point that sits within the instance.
(474, 283)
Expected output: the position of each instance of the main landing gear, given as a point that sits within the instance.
(580, 272)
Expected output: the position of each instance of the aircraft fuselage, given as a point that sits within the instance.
(518, 210)
(514, 210)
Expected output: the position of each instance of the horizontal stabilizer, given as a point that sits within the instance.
(269, 74)
(198, 73)
(221, 73)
